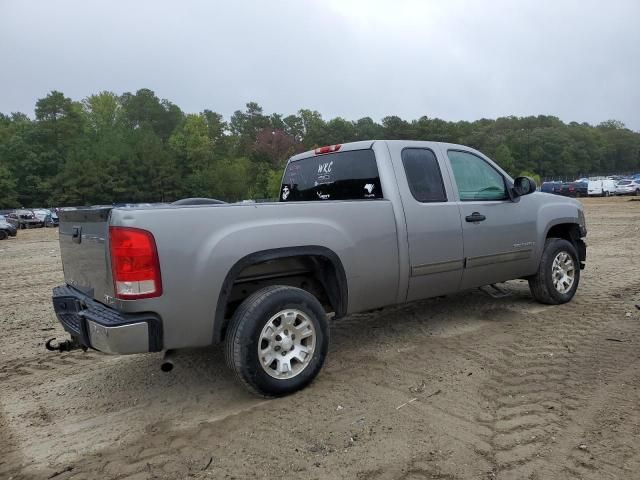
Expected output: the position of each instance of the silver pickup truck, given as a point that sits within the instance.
(357, 227)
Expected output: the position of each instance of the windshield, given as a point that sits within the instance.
(351, 175)
(624, 182)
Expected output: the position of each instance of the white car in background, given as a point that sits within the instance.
(48, 217)
(601, 188)
(40, 213)
(628, 187)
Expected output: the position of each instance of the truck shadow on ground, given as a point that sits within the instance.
(122, 400)
(202, 373)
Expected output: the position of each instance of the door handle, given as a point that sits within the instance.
(475, 217)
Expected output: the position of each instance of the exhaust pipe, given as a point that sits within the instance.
(167, 361)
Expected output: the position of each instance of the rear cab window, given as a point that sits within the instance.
(349, 175)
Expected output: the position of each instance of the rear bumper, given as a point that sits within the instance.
(97, 326)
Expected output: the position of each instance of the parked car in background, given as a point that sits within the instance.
(551, 187)
(48, 217)
(608, 187)
(41, 214)
(628, 187)
(601, 188)
(6, 229)
(52, 220)
(594, 188)
(567, 189)
(581, 188)
(24, 219)
(574, 189)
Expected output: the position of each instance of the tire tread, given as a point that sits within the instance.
(538, 283)
(236, 333)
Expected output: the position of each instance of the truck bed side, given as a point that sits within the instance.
(199, 245)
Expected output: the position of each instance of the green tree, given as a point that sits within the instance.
(144, 108)
(8, 194)
(137, 147)
(504, 159)
(244, 126)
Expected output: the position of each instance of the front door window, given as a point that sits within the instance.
(476, 179)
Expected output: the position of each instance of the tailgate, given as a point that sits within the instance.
(84, 234)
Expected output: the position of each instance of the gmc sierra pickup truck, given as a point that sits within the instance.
(357, 227)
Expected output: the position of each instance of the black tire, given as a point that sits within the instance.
(3, 235)
(246, 326)
(541, 284)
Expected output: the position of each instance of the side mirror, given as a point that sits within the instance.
(523, 186)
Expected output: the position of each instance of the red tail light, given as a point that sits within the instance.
(327, 149)
(134, 263)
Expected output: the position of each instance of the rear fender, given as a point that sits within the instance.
(336, 288)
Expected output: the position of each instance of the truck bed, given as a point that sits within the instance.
(198, 245)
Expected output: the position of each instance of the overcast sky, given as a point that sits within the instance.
(457, 60)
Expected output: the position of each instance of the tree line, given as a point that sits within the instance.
(136, 147)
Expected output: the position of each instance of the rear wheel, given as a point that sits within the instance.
(3, 235)
(558, 274)
(277, 340)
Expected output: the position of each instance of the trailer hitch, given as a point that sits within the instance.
(65, 346)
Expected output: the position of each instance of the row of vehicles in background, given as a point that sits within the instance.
(27, 218)
(594, 187)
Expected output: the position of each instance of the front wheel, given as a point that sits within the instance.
(558, 274)
(3, 235)
(277, 340)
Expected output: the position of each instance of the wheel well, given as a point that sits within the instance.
(571, 233)
(316, 270)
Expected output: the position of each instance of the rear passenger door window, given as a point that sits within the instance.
(423, 175)
(476, 179)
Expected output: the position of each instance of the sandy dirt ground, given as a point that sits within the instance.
(462, 387)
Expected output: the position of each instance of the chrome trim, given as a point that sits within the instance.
(498, 258)
(440, 267)
(122, 339)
